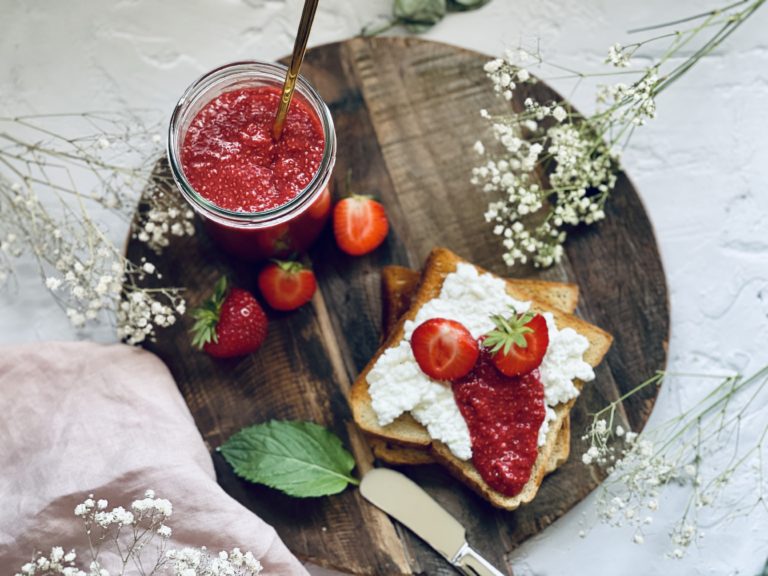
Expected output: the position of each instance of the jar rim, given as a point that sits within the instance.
(262, 70)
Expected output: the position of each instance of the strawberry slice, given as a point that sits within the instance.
(360, 224)
(444, 349)
(518, 343)
(286, 285)
(231, 323)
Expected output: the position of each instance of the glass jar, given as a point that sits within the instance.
(278, 232)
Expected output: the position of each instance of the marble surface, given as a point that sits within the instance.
(701, 168)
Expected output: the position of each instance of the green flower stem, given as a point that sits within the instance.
(729, 28)
(716, 400)
(688, 18)
(653, 380)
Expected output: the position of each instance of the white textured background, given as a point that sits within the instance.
(701, 168)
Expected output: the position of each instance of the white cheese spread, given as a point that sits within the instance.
(397, 384)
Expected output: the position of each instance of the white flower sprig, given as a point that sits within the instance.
(680, 452)
(51, 186)
(126, 534)
(552, 169)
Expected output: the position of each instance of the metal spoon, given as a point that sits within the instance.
(299, 48)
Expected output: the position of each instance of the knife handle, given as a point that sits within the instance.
(472, 564)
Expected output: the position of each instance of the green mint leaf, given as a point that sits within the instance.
(302, 459)
(463, 5)
(419, 15)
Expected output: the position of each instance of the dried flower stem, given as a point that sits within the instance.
(556, 169)
(680, 451)
(49, 186)
(146, 520)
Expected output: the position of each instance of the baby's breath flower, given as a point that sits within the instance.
(52, 283)
(85, 270)
(581, 171)
(675, 453)
(618, 56)
(579, 155)
(146, 519)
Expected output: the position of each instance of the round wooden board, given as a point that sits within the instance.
(406, 114)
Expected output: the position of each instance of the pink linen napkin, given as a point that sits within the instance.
(80, 418)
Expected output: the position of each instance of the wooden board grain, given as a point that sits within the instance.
(406, 114)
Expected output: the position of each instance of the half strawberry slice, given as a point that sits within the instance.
(444, 349)
(360, 224)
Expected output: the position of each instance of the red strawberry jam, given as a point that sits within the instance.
(230, 158)
(503, 415)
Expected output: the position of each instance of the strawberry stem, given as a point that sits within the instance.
(289, 266)
(508, 332)
(348, 189)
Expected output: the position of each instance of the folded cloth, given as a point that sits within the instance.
(81, 418)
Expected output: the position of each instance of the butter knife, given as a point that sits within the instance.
(408, 503)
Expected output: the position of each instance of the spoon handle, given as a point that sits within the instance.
(299, 48)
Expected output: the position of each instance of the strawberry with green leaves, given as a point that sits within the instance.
(231, 323)
(518, 343)
(287, 285)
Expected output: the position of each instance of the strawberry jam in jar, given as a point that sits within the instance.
(259, 198)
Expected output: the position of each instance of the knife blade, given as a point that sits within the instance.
(407, 502)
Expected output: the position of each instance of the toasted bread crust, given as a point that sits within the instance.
(407, 432)
(393, 453)
(398, 287)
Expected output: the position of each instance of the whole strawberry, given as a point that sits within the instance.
(231, 323)
(519, 343)
(286, 285)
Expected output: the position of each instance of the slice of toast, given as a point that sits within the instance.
(398, 286)
(440, 263)
(406, 431)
